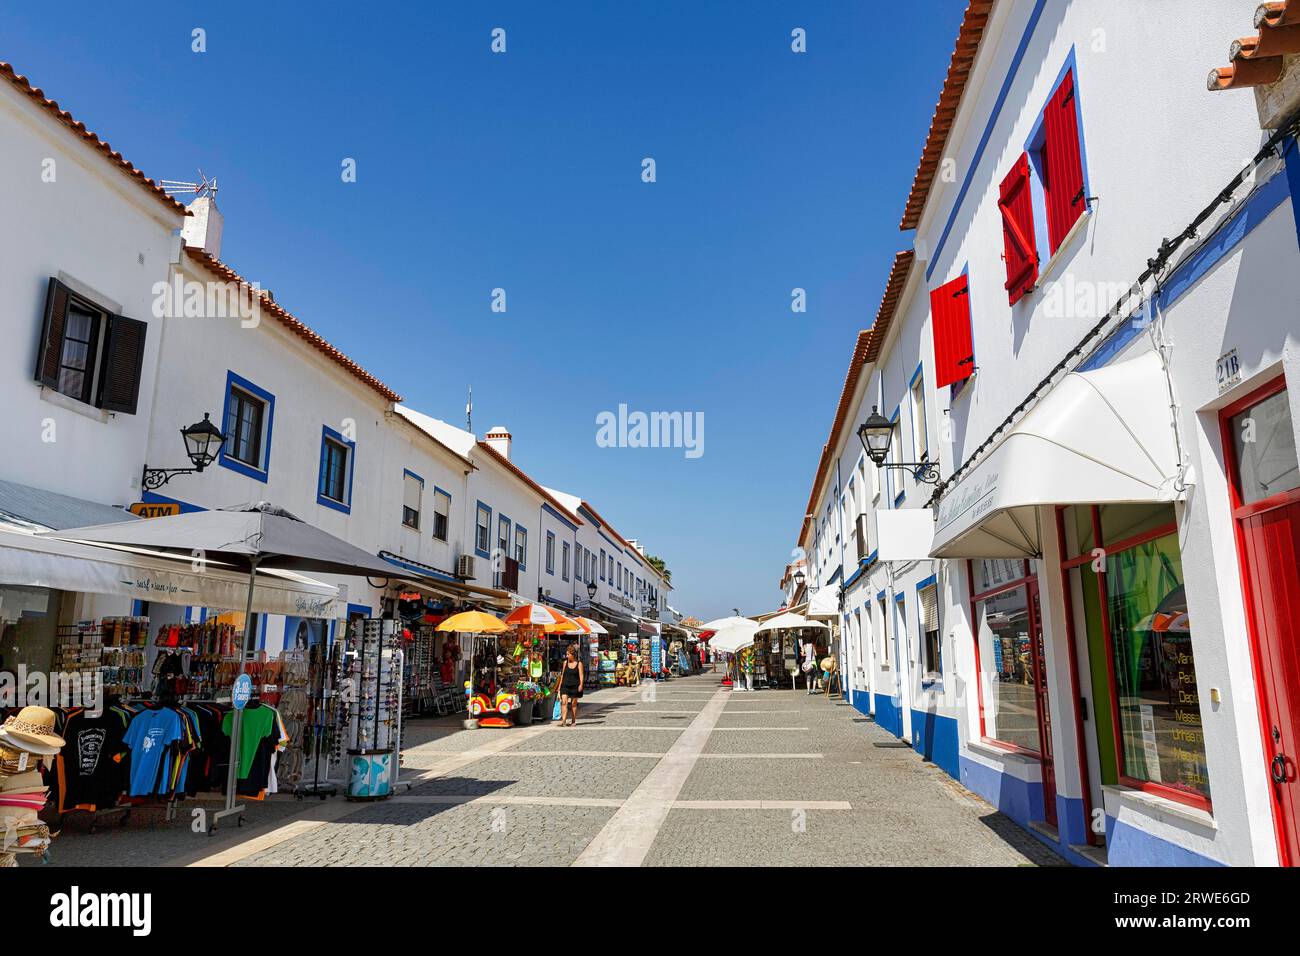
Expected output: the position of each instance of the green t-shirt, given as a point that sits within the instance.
(256, 724)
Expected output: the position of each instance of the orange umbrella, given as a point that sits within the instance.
(473, 622)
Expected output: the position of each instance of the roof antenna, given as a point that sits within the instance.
(204, 187)
(469, 411)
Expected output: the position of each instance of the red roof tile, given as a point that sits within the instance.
(954, 86)
(1258, 60)
(107, 151)
(523, 476)
(293, 324)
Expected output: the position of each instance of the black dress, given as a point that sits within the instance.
(569, 684)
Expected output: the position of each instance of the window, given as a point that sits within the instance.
(896, 457)
(564, 565)
(550, 552)
(621, 586)
(884, 632)
(1005, 652)
(1060, 163)
(1019, 248)
(1265, 450)
(89, 354)
(602, 564)
(412, 491)
(503, 538)
(441, 513)
(334, 488)
(931, 645)
(954, 355)
(920, 434)
(521, 546)
(1143, 669)
(483, 531)
(248, 415)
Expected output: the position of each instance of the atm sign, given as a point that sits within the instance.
(149, 509)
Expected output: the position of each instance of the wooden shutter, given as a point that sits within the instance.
(1063, 163)
(1021, 252)
(50, 353)
(950, 325)
(929, 609)
(119, 384)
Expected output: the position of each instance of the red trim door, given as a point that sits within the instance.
(1268, 538)
(1042, 703)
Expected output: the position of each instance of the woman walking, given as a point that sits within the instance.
(571, 681)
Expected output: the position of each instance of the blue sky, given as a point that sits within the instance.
(522, 171)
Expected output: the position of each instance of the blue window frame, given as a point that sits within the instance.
(412, 499)
(1036, 147)
(247, 416)
(894, 455)
(564, 562)
(503, 537)
(603, 555)
(550, 552)
(483, 531)
(441, 513)
(337, 460)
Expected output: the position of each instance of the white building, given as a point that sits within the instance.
(1092, 330)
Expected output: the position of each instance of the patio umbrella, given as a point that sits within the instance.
(593, 627)
(474, 622)
(790, 622)
(723, 623)
(248, 537)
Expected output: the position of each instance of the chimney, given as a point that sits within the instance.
(202, 229)
(498, 439)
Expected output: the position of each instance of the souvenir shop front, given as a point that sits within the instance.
(618, 657)
(116, 668)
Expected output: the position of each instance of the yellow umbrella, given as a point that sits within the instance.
(474, 622)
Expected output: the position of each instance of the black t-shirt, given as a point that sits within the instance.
(90, 778)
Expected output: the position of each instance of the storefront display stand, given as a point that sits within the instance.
(399, 663)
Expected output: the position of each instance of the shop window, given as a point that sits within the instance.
(248, 414)
(334, 487)
(931, 643)
(1264, 440)
(550, 552)
(89, 354)
(412, 491)
(441, 513)
(1004, 652)
(521, 546)
(1141, 658)
(483, 531)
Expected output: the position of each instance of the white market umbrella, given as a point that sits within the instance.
(731, 639)
(722, 623)
(790, 622)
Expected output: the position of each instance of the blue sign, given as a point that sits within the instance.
(242, 691)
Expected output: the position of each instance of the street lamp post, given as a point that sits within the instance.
(876, 434)
(203, 442)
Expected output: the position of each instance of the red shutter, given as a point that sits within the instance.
(950, 326)
(1063, 163)
(1017, 209)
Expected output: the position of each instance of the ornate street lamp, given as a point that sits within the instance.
(591, 590)
(799, 578)
(876, 433)
(203, 441)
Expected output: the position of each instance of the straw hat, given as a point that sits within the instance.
(32, 729)
(29, 781)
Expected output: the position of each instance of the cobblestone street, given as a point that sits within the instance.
(682, 773)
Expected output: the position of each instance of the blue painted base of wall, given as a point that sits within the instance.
(1021, 800)
(889, 715)
(1129, 846)
(935, 738)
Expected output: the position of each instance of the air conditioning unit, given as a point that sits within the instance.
(465, 566)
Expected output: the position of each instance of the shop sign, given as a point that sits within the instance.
(241, 692)
(153, 509)
(1227, 371)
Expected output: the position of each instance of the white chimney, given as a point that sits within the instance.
(498, 439)
(202, 229)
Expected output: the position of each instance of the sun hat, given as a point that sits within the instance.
(25, 782)
(32, 729)
(16, 761)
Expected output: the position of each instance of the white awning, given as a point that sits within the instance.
(1099, 437)
(733, 638)
(905, 534)
(28, 560)
(788, 622)
(825, 602)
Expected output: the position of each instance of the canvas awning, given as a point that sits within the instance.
(825, 602)
(1099, 437)
(30, 560)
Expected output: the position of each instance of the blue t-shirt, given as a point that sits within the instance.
(149, 735)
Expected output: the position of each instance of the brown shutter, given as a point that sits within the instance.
(119, 387)
(50, 353)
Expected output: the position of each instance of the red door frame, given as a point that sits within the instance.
(1240, 512)
(1045, 754)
